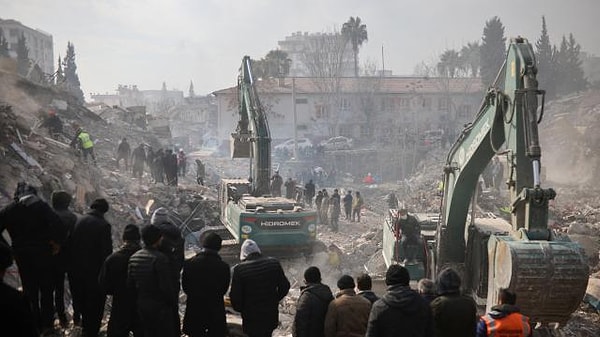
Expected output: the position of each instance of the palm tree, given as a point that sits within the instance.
(449, 63)
(356, 32)
(470, 58)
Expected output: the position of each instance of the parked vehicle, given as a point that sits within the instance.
(337, 143)
(288, 145)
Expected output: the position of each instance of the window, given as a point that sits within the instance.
(405, 102)
(443, 103)
(344, 104)
(321, 111)
(426, 103)
(301, 100)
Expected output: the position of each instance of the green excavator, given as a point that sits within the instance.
(549, 273)
(280, 226)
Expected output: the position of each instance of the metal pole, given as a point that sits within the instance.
(295, 118)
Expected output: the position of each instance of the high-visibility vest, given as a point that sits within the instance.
(513, 325)
(86, 141)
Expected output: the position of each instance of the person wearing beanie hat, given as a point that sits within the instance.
(453, 313)
(60, 203)
(265, 276)
(173, 246)
(400, 309)
(149, 273)
(15, 314)
(348, 313)
(36, 235)
(113, 279)
(205, 310)
(91, 243)
(312, 304)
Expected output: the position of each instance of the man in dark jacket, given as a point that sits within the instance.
(60, 202)
(113, 279)
(16, 318)
(172, 245)
(91, 244)
(205, 310)
(138, 158)
(35, 233)
(411, 235)
(364, 285)
(312, 305)
(148, 272)
(257, 286)
(505, 319)
(401, 309)
(309, 192)
(290, 188)
(347, 200)
(123, 152)
(453, 314)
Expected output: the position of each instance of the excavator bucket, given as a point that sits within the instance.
(240, 146)
(549, 277)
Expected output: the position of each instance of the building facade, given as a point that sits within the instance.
(367, 109)
(39, 43)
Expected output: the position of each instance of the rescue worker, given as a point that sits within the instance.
(123, 152)
(181, 163)
(357, 205)
(84, 141)
(138, 158)
(505, 319)
(113, 279)
(411, 235)
(200, 172)
(276, 182)
(53, 123)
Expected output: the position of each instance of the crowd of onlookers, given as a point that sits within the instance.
(145, 275)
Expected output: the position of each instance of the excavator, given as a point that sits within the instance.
(548, 272)
(280, 226)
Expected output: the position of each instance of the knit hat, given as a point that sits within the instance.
(100, 205)
(160, 215)
(60, 200)
(396, 274)
(212, 240)
(248, 247)
(312, 275)
(150, 234)
(131, 233)
(345, 282)
(448, 282)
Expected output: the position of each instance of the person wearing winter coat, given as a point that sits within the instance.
(61, 261)
(36, 234)
(91, 244)
(401, 309)
(348, 314)
(364, 285)
(453, 313)
(258, 284)
(334, 203)
(505, 319)
(138, 158)
(123, 152)
(172, 245)
(149, 273)
(347, 200)
(312, 305)
(205, 308)
(113, 279)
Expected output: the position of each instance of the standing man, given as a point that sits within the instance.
(138, 158)
(91, 244)
(35, 234)
(311, 308)
(200, 172)
(276, 182)
(357, 205)
(290, 188)
(113, 280)
(347, 200)
(205, 309)
(123, 152)
(453, 313)
(309, 192)
(258, 284)
(426, 289)
(318, 201)
(61, 264)
(348, 313)
(181, 163)
(400, 309)
(148, 272)
(325, 208)
(392, 200)
(334, 203)
(85, 143)
(505, 319)
(411, 235)
(364, 285)
(172, 245)
(159, 167)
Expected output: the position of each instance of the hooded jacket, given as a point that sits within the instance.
(502, 319)
(311, 309)
(401, 309)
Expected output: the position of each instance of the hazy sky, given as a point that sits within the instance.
(146, 42)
